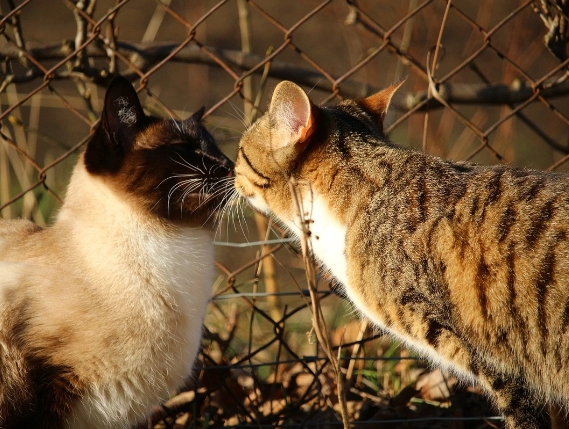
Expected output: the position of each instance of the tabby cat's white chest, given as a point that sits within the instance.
(327, 238)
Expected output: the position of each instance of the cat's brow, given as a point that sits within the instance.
(257, 172)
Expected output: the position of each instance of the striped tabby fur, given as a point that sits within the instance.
(467, 264)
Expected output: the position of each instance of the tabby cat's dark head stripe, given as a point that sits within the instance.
(255, 170)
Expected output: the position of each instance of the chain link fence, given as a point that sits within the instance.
(486, 82)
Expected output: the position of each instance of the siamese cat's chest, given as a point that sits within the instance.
(169, 301)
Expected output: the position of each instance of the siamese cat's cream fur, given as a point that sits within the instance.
(101, 313)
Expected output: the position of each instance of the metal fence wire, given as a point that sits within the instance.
(486, 82)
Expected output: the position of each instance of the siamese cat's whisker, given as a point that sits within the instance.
(224, 192)
(226, 188)
(176, 124)
(209, 194)
(227, 179)
(190, 190)
(181, 184)
(226, 211)
(212, 190)
(187, 175)
(178, 176)
(226, 182)
(219, 218)
(198, 191)
(241, 220)
(229, 210)
(231, 217)
(227, 214)
(192, 182)
(237, 114)
(165, 180)
(237, 207)
(186, 164)
(156, 204)
(172, 191)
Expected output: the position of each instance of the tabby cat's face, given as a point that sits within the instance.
(270, 150)
(170, 169)
(296, 144)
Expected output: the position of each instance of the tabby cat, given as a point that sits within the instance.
(101, 313)
(466, 264)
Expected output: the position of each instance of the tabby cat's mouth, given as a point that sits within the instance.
(258, 203)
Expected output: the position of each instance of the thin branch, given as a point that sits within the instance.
(318, 322)
(88, 6)
(554, 15)
(145, 55)
(18, 36)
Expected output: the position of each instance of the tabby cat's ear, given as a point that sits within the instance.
(291, 113)
(122, 118)
(377, 104)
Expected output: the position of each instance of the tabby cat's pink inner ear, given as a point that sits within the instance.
(291, 112)
(378, 103)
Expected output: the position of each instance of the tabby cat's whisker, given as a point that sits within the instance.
(237, 114)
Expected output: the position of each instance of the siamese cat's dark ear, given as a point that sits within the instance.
(198, 114)
(377, 104)
(122, 114)
(291, 113)
(122, 118)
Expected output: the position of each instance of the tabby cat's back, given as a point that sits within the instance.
(467, 264)
(101, 313)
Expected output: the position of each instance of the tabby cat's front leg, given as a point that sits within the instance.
(516, 403)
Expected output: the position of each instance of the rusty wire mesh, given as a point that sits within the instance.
(486, 81)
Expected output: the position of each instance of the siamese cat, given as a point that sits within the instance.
(101, 313)
(466, 264)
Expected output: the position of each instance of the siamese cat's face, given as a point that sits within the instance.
(167, 168)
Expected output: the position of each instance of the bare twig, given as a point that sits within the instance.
(431, 68)
(554, 15)
(318, 321)
(147, 54)
(111, 43)
(18, 36)
(88, 7)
